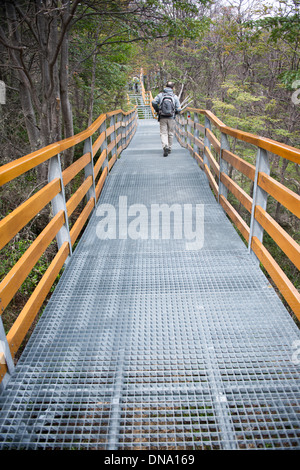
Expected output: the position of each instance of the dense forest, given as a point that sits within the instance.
(65, 62)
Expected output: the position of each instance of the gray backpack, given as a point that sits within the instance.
(167, 106)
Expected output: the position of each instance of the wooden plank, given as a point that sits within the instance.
(241, 165)
(238, 192)
(131, 111)
(284, 285)
(98, 142)
(199, 159)
(120, 149)
(16, 220)
(191, 136)
(100, 162)
(290, 153)
(285, 151)
(77, 227)
(110, 130)
(235, 217)
(278, 191)
(69, 173)
(213, 163)
(17, 275)
(213, 140)
(279, 235)
(21, 326)
(100, 183)
(111, 146)
(21, 165)
(112, 161)
(211, 180)
(214, 120)
(113, 113)
(199, 143)
(200, 127)
(73, 202)
(16, 168)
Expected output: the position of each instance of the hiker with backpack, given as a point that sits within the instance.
(167, 105)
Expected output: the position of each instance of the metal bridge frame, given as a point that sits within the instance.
(109, 135)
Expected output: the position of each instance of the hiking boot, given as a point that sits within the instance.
(169, 149)
(166, 153)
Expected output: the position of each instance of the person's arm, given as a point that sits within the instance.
(155, 103)
(177, 105)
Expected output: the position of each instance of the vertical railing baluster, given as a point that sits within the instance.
(4, 348)
(196, 133)
(223, 166)
(58, 203)
(260, 197)
(123, 123)
(118, 132)
(104, 144)
(113, 134)
(89, 169)
(207, 144)
(188, 131)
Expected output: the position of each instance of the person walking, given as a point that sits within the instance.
(167, 105)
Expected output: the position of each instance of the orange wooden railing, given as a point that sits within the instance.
(188, 132)
(115, 132)
(147, 95)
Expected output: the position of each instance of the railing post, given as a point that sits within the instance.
(196, 133)
(59, 203)
(89, 168)
(118, 131)
(223, 166)
(121, 131)
(4, 348)
(126, 119)
(260, 198)
(207, 144)
(104, 146)
(113, 134)
(188, 130)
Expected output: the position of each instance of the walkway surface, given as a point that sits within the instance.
(146, 344)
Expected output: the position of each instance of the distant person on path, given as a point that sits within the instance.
(167, 105)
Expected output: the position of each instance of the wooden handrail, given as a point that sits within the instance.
(122, 126)
(16, 220)
(283, 150)
(16, 168)
(220, 183)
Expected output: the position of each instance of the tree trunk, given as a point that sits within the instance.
(92, 91)
(66, 109)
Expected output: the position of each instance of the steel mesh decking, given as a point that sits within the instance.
(146, 345)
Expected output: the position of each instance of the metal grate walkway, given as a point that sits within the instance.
(144, 110)
(147, 345)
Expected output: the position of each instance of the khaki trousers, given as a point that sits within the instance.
(167, 126)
